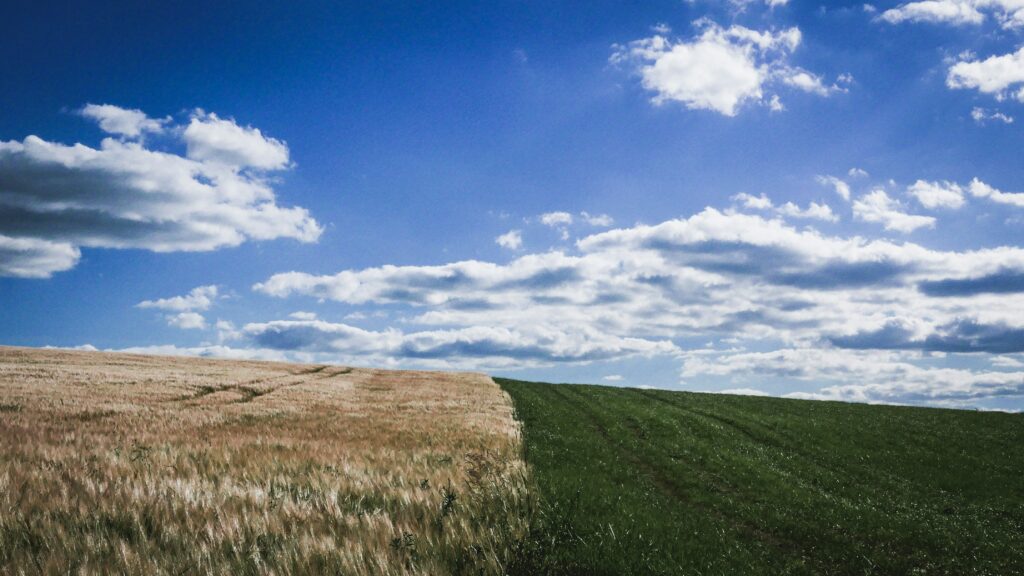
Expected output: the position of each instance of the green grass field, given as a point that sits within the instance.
(653, 482)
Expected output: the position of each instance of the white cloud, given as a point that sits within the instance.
(999, 76)
(980, 189)
(35, 258)
(841, 188)
(937, 194)
(613, 378)
(598, 220)
(803, 80)
(879, 208)
(216, 141)
(742, 392)
(303, 315)
(750, 202)
(199, 298)
(742, 5)
(55, 198)
(513, 240)
(217, 351)
(720, 69)
(186, 307)
(839, 311)
(857, 173)
(948, 11)
(187, 321)
(555, 219)
(474, 346)
(981, 116)
(1009, 13)
(860, 376)
(814, 211)
(122, 121)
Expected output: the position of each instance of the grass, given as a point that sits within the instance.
(654, 482)
(122, 464)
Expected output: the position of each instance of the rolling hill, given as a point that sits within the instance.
(653, 482)
(117, 463)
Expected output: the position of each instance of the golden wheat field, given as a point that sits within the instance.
(117, 463)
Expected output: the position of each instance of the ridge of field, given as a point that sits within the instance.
(128, 464)
(638, 481)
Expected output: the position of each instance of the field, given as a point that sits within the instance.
(114, 463)
(143, 465)
(652, 482)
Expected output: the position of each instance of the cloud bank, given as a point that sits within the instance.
(56, 199)
(865, 319)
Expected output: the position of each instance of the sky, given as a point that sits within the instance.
(818, 200)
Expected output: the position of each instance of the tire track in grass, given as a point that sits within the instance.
(792, 449)
(663, 480)
(248, 390)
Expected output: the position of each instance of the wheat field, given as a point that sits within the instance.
(117, 463)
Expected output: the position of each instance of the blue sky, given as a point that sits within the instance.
(812, 199)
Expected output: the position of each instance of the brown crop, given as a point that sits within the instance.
(117, 463)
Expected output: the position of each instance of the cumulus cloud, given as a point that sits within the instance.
(814, 211)
(714, 274)
(218, 141)
(878, 207)
(937, 194)
(999, 76)
(199, 298)
(1002, 281)
(960, 335)
(130, 123)
(211, 351)
(980, 189)
(947, 11)
(864, 317)
(56, 198)
(841, 188)
(750, 202)
(1009, 13)
(187, 321)
(861, 375)
(186, 308)
(513, 240)
(478, 345)
(720, 69)
(35, 258)
(803, 80)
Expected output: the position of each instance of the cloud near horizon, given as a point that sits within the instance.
(56, 199)
(856, 311)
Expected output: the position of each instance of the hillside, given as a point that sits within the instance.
(114, 463)
(653, 482)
